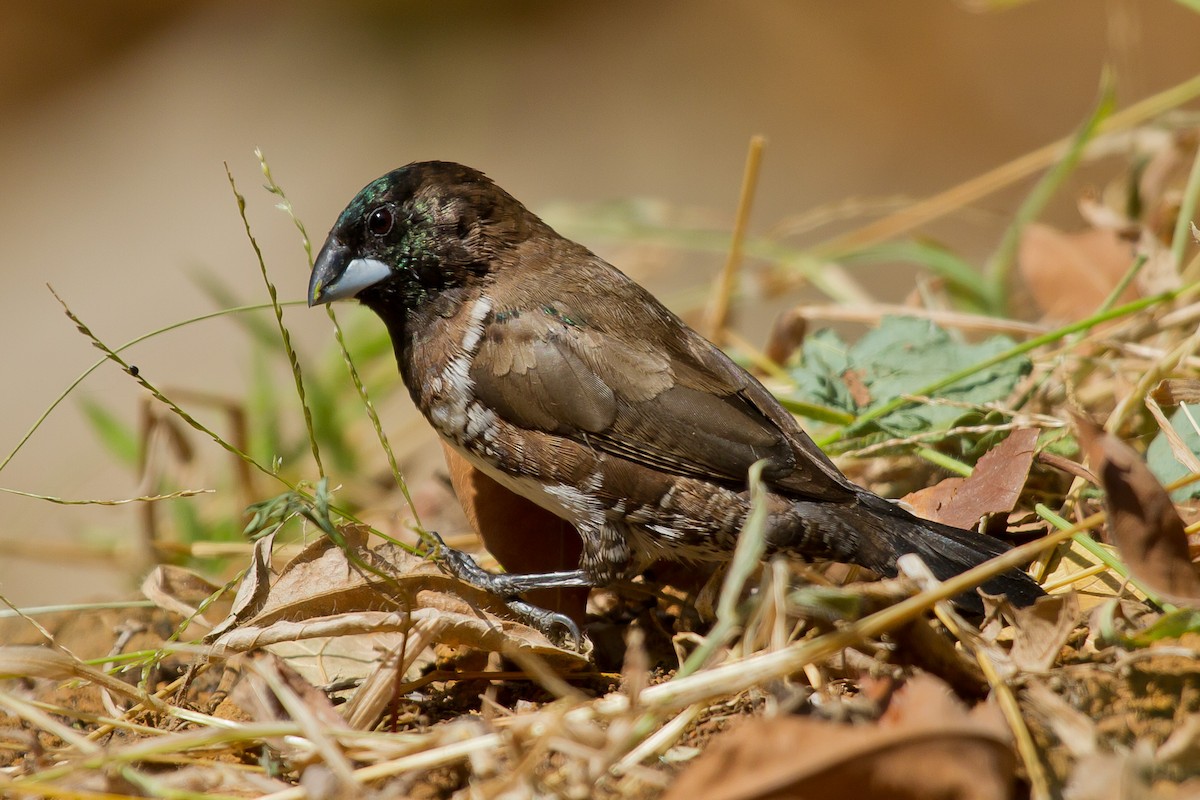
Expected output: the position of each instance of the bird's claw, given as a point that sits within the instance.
(556, 627)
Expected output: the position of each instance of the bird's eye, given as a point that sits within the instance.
(379, 221)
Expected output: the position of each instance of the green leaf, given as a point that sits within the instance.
(900, 357)
(1162, 461)
(1171, 625)
(119, 438)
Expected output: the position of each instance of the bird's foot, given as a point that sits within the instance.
(556, 627)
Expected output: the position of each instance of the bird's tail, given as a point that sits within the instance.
(874, 532)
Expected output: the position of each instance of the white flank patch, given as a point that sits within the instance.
(454, 386)
(565, 502)
(581, 504)
(482, 307)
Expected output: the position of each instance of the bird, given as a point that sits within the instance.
(568, 384)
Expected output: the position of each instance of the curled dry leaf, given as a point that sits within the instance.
(1143, 522)
(323, 593)
(993, 488)
(180, 591)
(252, 591)
(964, 755)
(1173, 391)
(1040, 630)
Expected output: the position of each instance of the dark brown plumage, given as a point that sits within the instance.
(556, 375)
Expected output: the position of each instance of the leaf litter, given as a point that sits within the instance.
(348, 664)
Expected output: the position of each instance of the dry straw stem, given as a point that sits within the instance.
(34, 661)
(737, 676)
(717, 318)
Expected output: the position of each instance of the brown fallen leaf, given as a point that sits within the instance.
(1173, 391)
(786, 336)
(1070, 274)
(993, 487)
(179, 590)
(1041, 630)
(253, 589)
(1142, 519)
(961, 755)
(322, 593)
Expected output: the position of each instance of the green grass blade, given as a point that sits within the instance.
(998, 270)
(119, 438)
(283, 331)
(1187, 214)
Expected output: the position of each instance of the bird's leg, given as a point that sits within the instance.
(508, 586)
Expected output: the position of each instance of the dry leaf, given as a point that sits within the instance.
(993, 487)
(1041, 630)
(962, 755)
(1093, 584)
(786, 336)
(252, 591)
(1076, 731)
(321, 593)
(1142, 520)
(1071, 274)
(179, 591)
(1173, 391)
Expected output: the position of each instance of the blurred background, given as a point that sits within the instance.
(119, 118)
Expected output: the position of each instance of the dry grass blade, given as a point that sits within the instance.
(144, 499)
(285, 336)
(718, 305)
(28, 661)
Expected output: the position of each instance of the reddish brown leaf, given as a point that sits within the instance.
(993, 487)
(1173, 391)
(1071, 274)
(1142, 520)
(859, 393)
(786, 336)
(932, 501)
(965, 756)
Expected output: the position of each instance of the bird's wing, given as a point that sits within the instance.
(679, 406)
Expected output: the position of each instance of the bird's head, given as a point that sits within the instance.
(416, 232)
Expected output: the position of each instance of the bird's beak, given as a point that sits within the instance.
(336, 275)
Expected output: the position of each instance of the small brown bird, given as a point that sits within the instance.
(567, 383)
